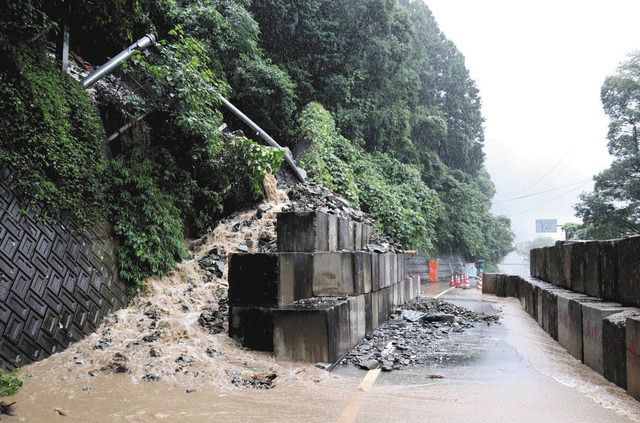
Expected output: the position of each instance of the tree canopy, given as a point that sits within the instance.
(613, 208)
(381, 100)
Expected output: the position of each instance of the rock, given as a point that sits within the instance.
(323, 366)
(184, 359)
(369, 364)
(118, 364)
(243, 248)
(387, 366)
(439, 317)
(151, 338)
(7, 408)
(101, 344)
(154, 352)
(149, 377)
(412, 315)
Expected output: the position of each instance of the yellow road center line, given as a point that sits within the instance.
(351, 410)
(368, 380)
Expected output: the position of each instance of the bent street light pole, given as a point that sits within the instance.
(300, 173)
(110, 66)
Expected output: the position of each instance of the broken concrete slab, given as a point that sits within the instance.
(632, 336)
(311, 332)
(252, 327)
(593, 315)
(614, 346)
(302, 232)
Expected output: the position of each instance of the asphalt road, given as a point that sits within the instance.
(509, 372)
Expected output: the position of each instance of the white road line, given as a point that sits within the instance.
(444, 292)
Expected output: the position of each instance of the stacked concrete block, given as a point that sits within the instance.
(320, 293)
(609, 273)
(252, 327)
(269, 280)
(614, 346)
(632, 338)
(604, 335)
(592, 269)
(629, 271)
(312, 332)
(593, 316)
(489, 283)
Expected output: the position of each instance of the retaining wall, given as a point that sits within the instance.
(56, 282)
(605, 335)
(319, 294)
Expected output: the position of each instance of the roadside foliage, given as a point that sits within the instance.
(377, 101)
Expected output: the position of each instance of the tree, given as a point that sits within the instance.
(613, 208)
(523, 248)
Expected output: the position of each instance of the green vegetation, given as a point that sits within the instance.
(391, 191)
(377, 95)
(613, 208)
(51, 134)
(9, 383)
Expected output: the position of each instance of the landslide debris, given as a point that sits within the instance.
(176, 329)
(413, 334)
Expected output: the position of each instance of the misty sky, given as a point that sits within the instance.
(539, 66)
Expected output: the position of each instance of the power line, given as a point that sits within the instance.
(547, 173)
(547, 202)
(541, 192)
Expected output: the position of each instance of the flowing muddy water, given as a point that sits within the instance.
(147, 356)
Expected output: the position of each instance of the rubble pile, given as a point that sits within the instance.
(411, 335)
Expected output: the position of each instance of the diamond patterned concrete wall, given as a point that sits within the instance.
(56, 282)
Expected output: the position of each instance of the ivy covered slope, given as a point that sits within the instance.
(173, 177)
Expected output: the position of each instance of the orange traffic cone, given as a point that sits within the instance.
(466, 285)
(452, 281)
(479, 283)
(457, 281)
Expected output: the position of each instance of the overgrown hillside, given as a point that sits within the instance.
(374, 97)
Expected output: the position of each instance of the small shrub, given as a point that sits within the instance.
(9, 383)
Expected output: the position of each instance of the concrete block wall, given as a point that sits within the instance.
(605, 335)
(320, 293)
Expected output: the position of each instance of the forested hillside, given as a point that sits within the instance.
(372, 95)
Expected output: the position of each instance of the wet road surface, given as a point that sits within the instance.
(508, 372)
